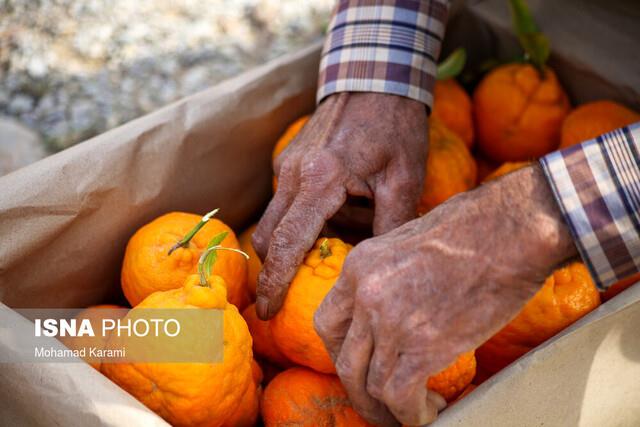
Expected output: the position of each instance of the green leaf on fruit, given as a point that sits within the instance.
(212, 256)
(534, 43)
(452, 65)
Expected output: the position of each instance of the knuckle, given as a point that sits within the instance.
(370, 294)
(320, 168)
(352, 266)
(320, 323)
(284, 168)
(344, 369)
(260, 244)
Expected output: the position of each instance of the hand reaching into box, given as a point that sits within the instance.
(360, 144)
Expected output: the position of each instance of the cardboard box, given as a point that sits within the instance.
(65, 220)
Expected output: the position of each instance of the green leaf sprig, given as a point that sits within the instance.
(535, 44)
(210, 255)
(452, 65)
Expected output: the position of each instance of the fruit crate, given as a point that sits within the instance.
(65, 222)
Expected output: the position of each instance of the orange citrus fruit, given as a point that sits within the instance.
(263, 343)
(567, 294)
(148, 267)
(450, 167)
(453, 380)
(292, 328)
(519, 112)
(452, 106)
(593, 119)
(192, 394)
(305, 398)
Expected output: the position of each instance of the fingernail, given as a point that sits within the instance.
(440, 402)
(262, 308)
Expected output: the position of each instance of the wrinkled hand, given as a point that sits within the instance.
(360, 144)
(408, 302)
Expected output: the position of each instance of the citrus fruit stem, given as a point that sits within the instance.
(184, 242)
(325, 251)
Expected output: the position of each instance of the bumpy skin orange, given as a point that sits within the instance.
(518, 114)
(505, 168)
(593, 119)
(453, 380)
(246, 415)
(292, 327)
(92, 313)
(452, 106)
(263, 343)
(193, 394)
(288, 135)
(254, 264)
(567, 294)
(303, 398)
(148, 268)
(450, 167)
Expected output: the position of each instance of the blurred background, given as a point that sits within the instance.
(72, 69)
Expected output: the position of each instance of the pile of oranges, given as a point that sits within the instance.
(278, 370)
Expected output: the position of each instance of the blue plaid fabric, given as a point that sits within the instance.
(597, 185)
(386, 46)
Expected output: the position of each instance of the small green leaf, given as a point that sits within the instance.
(209, 256)
(534, 43)
(217, 239)
(212, 256)
(452, 65)
(523, 21)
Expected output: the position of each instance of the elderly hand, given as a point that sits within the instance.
(408, 302)
(360, 144)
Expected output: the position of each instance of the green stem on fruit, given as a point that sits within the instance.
(534, 43)
(452, 65)
(184, 242)
(325, 250)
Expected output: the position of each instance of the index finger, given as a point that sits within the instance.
(292, 238)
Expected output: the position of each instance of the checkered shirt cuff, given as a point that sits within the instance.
(597, 186)
(385, 46)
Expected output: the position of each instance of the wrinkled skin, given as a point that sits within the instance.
(359, 144)
(409, 301)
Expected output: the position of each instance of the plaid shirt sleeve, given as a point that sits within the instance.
(597, 185)
(386, 46)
